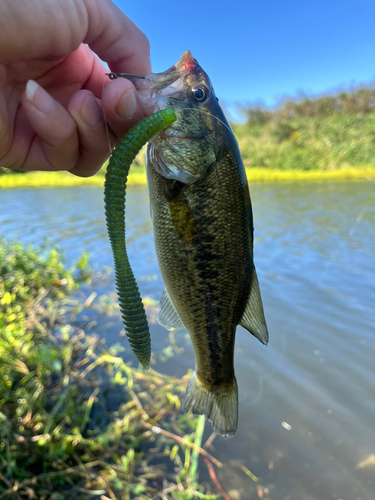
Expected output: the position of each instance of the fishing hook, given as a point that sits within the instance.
(113, 76)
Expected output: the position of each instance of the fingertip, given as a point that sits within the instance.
(121, 105)
(127, 105)
(84, 108)
(95, 137)
(56, 144)
(39, 98)
(31, 88)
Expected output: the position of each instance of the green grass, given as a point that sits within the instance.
(76, 421)
(60, 179)
(326, 144)
(57, 434)
(255, 174)
(325, 138)
(325, 133)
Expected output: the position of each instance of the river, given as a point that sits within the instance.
(307, 400)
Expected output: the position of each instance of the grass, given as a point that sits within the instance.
(76, 421)
(302, 143)
(329, 137)
(254, 174)
(60, 179)
(326, 133)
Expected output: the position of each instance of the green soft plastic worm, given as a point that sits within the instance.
(132, 310)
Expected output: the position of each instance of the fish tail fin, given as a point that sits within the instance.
(219, 406)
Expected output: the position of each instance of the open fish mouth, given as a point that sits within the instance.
(171, 81)
(173, 84)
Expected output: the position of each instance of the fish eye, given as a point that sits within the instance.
(199, 93)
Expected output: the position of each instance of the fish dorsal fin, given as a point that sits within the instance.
(167, 315)
(253, 318)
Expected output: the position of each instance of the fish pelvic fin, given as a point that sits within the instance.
(167, 314)
(219, 406)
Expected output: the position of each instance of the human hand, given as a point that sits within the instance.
(63, 127)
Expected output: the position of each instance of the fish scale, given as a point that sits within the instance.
(204, 276)
(203, 232)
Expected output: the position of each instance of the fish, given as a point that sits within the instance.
(203, 232)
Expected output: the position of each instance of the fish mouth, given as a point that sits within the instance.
(157, 82)
(187, 63)
(171, 87)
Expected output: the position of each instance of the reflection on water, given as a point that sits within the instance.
(307, 401)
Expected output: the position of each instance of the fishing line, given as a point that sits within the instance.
(110, 148)
(351, 232)
(216, 118)
(274, 369)
(105, 121)
(281, 354)
(319, 283)
(358, 219)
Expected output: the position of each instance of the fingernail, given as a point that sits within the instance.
(127, 107)
(40, 99)
(91, 114)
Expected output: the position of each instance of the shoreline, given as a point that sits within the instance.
(254, 175)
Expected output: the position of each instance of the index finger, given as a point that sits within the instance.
(116, 39)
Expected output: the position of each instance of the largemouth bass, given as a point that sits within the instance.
(203, 230)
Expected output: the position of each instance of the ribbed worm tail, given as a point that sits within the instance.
(132, 310)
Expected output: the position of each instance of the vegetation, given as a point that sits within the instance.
(254, 174)
(326, 133)
(76, 422)
(330, 135)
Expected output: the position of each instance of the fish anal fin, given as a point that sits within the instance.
(219, 406)
(253, 318)
(167, 314)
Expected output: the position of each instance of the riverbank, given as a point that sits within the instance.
(76, 421)
(324, 138)
(65, 179)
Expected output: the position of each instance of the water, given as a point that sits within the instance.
(307, 401)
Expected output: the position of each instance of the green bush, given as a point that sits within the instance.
(326, 132)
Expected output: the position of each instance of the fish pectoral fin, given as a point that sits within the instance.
(253, 318)
(167, 314)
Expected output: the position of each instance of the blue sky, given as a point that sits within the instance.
(263, 50)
